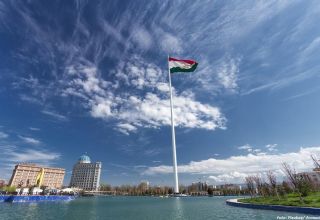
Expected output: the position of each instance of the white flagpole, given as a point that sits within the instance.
(175, 168)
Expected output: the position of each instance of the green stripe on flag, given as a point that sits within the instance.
(178, 69)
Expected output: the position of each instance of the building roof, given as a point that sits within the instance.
(84, 159)
(32, 165)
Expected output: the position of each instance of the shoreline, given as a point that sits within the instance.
(297, 209)
(34, 198)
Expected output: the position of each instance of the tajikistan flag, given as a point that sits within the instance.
(176, 65)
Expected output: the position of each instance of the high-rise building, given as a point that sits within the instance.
(27, 175)
(86, 175)
(198, 187)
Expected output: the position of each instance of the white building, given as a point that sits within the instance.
(36, 191)
(313, 177)
(86, 175)
(22, 191)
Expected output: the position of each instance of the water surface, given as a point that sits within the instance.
(116, 208)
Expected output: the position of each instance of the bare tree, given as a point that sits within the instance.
(300, 182)
(266, 189)
(286, 187)
(273, 183)
(291, 175)
(315, 161)
(250, 185)
(259, 184)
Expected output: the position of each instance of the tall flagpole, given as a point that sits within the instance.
(174, 153)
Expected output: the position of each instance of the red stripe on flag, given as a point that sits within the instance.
(186, 61)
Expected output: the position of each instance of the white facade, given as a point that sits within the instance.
(314, 177)
(22, 191)
(86, 175)
(36, 191)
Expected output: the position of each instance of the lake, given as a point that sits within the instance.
(135, 208)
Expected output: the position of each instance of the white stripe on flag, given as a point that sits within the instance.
(180, 64)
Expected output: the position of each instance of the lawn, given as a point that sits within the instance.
(312, 200)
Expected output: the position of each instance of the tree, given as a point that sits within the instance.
(273, 183)
(286, 188)
(304, 184)
(9, 189)
(266, 189)
(300, 183)
(259, 184)
(250, 185)
(210, 191)
(105, 187)
(291, 175)
(315, 162)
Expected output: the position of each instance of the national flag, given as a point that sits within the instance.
(176, 65)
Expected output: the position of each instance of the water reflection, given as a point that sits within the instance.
(135, 208)
(31, 210)
(178, 208)
(82, 208)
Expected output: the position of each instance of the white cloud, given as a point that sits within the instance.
(102, 109)
(283, 82)
(30, 140)
(271, 147)
(171, 44)
(245, 147)
(250, 148)
(226, 178)
(234, 168)
(88, 81)
(302, 94)
(187, 112)
(142, 38)
(55, 115)
(126, 128)
(163, 87)
(140, 74)
(108, 100)
(30, 99)
(34, 129)
(227, 74)
(230, 32)
(12, 155)
(154, 111)
(171, 33)
(214, 76)
(31, 155)
(151, 152)
(3, 135)
(311, 48)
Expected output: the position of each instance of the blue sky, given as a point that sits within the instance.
(91, 76)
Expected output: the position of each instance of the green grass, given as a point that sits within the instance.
(312, 200)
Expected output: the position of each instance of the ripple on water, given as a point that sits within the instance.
(135, 208)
